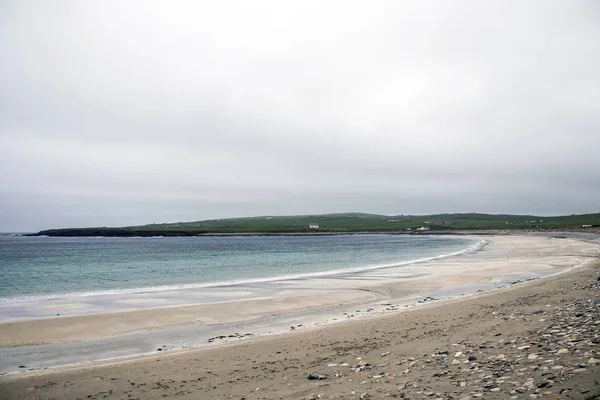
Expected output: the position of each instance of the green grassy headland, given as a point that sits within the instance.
(345, 223)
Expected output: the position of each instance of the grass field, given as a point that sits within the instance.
(346, 222)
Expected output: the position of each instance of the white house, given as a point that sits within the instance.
(423, 228)
(313, 225)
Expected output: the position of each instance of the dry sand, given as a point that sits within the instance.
(538, 338)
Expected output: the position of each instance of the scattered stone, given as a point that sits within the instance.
(317, 376)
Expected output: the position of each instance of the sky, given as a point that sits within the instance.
(124, 113)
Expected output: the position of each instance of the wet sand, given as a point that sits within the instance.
(90, 327)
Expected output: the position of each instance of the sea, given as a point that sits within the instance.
(36, 268)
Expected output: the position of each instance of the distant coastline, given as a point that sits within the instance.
(346, 223)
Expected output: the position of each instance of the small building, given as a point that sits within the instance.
(423, 228)
(586, 226)
(313, 225)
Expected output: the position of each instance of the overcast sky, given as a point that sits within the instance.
(118, 113)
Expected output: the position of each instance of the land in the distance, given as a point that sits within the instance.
(343, 223)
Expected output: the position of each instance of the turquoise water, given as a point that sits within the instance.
(37, 268)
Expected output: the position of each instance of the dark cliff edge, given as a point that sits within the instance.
(116, 232)
(112, 232)
(122, 232)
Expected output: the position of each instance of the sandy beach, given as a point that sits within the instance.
(451, 328)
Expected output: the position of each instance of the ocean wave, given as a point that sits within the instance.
(186, 286)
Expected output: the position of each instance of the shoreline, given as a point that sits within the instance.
(396, 289)
(418, 304)
(505, 343)
(8, 301)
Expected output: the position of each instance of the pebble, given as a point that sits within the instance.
(499, 369)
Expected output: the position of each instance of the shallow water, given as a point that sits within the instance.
(40, 268)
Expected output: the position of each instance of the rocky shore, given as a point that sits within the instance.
(561, 359)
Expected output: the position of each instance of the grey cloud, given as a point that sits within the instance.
(118, 113)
